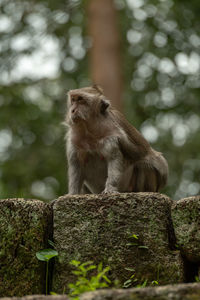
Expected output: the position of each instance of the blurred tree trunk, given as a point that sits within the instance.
(105, 61)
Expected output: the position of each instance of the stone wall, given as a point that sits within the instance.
(100, 228)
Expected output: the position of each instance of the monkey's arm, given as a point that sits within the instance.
(75, 176)
(115, 165)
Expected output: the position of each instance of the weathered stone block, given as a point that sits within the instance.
(99, 228)
(186, 221)
(170, 292)
(24, 228)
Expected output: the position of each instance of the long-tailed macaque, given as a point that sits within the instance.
(105, 153)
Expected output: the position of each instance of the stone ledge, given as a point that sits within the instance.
(189, 291)
(98, 228)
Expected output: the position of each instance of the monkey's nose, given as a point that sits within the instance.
(74, 110)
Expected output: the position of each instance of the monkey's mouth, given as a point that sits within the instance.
(75, 118)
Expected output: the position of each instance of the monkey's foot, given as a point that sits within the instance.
(107, 192)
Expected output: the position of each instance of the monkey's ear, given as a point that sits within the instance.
(98, 88)
(104, 105)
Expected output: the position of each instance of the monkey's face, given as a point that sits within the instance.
(85, 106)
(79, 107)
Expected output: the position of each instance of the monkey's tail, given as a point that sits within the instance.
(159, 163)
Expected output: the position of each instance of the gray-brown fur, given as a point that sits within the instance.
(105, 152)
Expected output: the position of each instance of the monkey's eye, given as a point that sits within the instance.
(79, 98)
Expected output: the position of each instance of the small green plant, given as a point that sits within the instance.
(133, 280)
(142, 285)
(154, 282)
(128, 283)
(197, 279)
(86, 283)
(134, 236)
(135, 242)
(46, 255)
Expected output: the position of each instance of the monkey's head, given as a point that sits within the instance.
(85, 104)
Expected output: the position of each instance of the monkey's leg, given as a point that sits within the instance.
(75, 173)
(115, 174)
(75, 180)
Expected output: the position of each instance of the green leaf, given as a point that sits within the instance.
(51, 243)
(132, 244)
(135, 236)
(100, 267)
(127, 283)
(76, 272)
(46, 254)
(75, 263)
(71, 286)
(197, 279)
(143, 247)
(91, 268)
(87, 263)
(130, 269)
(106, 279)
(143, 284)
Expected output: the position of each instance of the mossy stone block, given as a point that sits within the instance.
(186, 222)
(101, 228)
(24, 230)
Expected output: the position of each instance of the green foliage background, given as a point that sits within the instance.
(44, 53)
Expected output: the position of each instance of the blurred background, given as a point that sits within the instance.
(145, 54)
